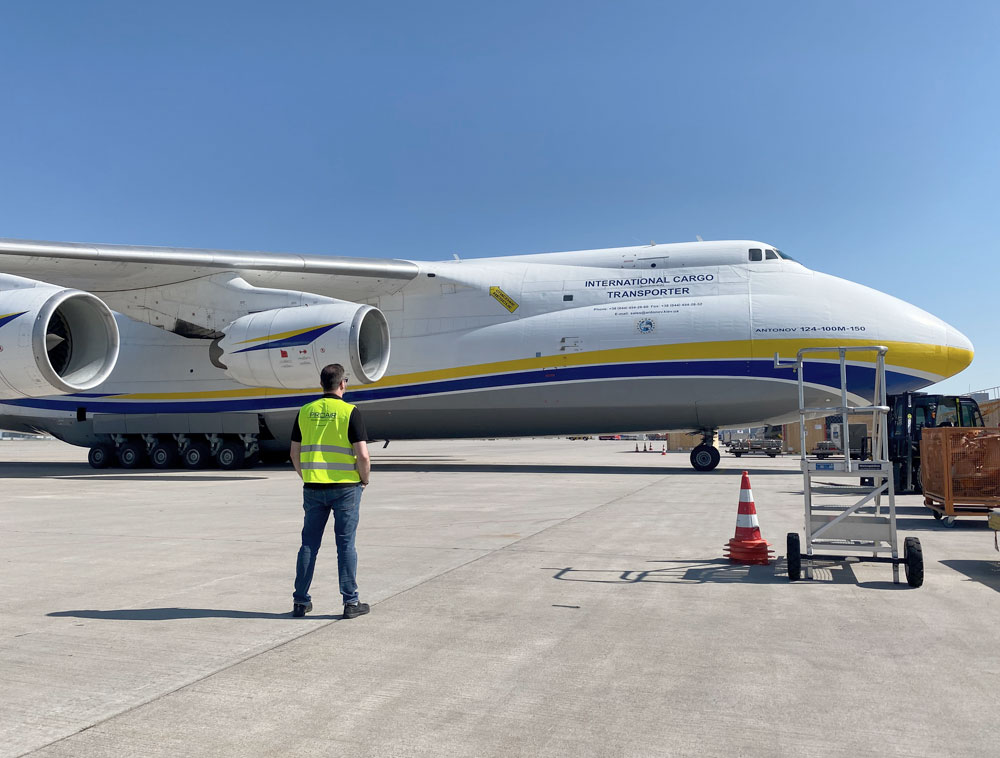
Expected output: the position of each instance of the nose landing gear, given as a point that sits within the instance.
(706, 456)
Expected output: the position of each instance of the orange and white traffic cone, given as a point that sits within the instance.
(664, 451)
(747, 546)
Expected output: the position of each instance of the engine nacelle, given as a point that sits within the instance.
(287, 347)
(53, 341)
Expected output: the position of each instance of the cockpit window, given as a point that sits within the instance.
(771, 255)
(756, 254)
(784, 256)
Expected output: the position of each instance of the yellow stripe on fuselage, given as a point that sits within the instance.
(938, 360)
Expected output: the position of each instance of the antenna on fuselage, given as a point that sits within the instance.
(698, 237)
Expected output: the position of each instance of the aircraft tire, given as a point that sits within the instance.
(913, 555)
(101, 456)
(131, 454)
(163, 455)
(705, 457)
(231, 455)
(196, 455)
(793, 556)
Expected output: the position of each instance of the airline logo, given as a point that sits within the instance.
(7, 318)
(297, 338)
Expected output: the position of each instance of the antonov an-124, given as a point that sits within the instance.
(173, 357)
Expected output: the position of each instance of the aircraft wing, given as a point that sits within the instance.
(208, 286)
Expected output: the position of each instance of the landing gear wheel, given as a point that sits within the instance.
(100, 456)
(793, 555)
(131, 454)
(705, 457)
(913, 557)
(196, 455)
(231, 456)
(163, 455)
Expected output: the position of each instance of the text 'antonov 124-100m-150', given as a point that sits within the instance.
(166, 357)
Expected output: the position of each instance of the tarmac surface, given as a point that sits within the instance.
(529, 598)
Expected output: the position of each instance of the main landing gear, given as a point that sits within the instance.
(706, 456)
(166, 451)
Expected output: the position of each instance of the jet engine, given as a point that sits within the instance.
(287, 347)
(52, 340)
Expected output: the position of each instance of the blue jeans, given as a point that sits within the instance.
(317, 503)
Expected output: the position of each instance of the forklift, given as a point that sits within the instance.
(912, 412)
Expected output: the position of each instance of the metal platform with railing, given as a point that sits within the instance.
(866, 529)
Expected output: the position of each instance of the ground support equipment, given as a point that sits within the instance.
(865, 530)
(960, 471)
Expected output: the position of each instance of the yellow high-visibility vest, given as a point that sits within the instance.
(327, 456)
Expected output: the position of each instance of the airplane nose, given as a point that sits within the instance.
(960, 351)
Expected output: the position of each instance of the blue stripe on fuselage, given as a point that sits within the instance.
(859, 379)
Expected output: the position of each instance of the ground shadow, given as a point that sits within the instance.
(161, 477)
(547, 468)
(984, 572)
(170, 614)
(679, 572)
(718, 571)
(930, 524)
(83, 471)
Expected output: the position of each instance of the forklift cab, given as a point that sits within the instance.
(909, 414)
(912, 412)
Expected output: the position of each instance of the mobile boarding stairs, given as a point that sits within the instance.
(866, 530)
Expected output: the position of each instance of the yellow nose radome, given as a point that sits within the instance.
(959, 352)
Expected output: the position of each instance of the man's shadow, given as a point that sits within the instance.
(170, 614)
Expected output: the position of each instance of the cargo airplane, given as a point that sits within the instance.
(174, 357)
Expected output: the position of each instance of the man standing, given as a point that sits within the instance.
(330, 453)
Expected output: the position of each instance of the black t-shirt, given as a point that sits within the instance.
(356, 432)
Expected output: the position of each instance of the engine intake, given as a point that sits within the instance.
(287, 347)
(53, 341)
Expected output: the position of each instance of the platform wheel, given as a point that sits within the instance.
(196, 455)
(705, 457)
(737, 454)
(937, 515)
(101, 456)
(163, 455)
(948, 522)
(131, 454)
(793, 556)
(231, 455)
(913, 561)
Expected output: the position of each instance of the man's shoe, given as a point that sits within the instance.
(353, 611)
(301, 609)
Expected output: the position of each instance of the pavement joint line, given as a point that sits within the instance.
(485, 554)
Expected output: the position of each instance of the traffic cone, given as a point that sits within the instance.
(747, 546)
(664, 452)
(637, 447)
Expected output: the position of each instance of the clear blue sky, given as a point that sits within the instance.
(861, 137)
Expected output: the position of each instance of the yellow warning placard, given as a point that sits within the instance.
(504, 299)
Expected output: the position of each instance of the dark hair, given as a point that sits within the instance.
(331, 376)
